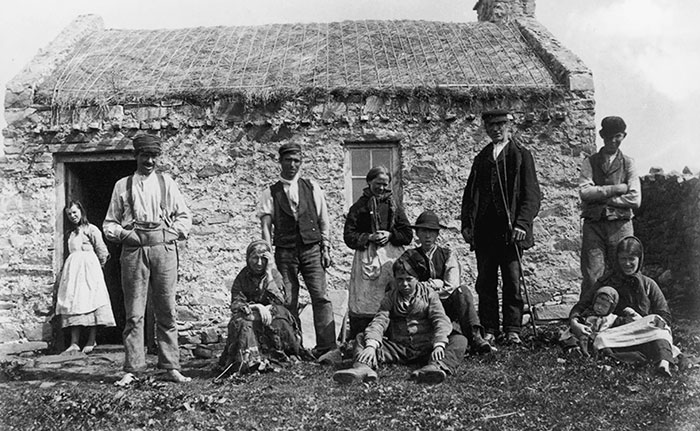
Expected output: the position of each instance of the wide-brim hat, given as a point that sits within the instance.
(428, 220)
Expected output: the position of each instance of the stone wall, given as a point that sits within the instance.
(222, 154)
(668, 223)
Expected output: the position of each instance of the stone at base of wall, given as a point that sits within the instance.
(552, 311)
(14, 348)
(339, 299)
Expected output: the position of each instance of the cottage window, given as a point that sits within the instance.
(360, 157)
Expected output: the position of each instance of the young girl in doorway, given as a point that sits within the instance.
(82, 298)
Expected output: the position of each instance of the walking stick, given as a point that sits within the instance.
(515, 244)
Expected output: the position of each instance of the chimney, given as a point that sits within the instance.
(504, 10)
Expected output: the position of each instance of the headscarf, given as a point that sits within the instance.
(251, 287)
(630, 288)
(259, 245)
(611, 293)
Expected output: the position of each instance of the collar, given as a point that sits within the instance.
(292, 181)
(430, 252)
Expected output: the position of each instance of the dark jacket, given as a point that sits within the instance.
(424, 322)
(249, 288)
(392, 218)
(518, 174)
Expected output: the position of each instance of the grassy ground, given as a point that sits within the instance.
(536, 387)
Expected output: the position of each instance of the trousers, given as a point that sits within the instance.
(391, 352)
(598, 246)
(150, 269)
(490, 256)
(306, 259)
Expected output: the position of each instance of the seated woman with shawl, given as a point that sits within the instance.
(261, 327)
(646, 339)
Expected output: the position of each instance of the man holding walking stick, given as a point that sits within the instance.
(500, 201)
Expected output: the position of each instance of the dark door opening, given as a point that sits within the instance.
(92, 182)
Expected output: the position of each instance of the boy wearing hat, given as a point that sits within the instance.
(610, 190)
(294, 218)
(500, 202)
(147, 214)
(410, 327)
(437, 268)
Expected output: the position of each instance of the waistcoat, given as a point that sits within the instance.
(290, 231)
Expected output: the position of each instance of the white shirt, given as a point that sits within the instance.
(146, 197)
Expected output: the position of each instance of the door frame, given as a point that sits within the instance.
(61, 184)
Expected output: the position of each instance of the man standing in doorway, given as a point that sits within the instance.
(500, 201)
(297, 209)
(147, 215)
(610, 190)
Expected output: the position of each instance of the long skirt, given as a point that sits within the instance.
(250, 343)
(82, 298)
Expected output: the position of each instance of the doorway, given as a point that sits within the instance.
(90, 179)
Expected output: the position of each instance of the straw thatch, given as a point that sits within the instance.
(116, 66)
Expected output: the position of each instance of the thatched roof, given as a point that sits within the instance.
(115, 66)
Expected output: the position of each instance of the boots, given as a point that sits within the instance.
(430, 374)
(358, 373)
(478, 343)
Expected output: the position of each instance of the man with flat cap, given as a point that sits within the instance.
(438, 268)
(294, 218)
(610, 190)
(147, 215)
(500, 202)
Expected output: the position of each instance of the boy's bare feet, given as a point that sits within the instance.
(176, 376)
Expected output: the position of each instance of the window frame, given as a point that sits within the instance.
(393, 145)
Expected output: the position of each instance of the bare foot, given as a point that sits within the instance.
(176, 376)
(663, 368)
(71, 349)
(126, 380)
(89, 348)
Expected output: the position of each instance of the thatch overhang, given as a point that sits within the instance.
(112, 66)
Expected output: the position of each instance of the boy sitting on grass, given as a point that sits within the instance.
(410, 327)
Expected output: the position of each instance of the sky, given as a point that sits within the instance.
(644, 54)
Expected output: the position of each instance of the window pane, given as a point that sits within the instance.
(382, 157)
(360, 161)
(358, 184)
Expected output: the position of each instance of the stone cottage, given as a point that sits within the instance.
(407, 94)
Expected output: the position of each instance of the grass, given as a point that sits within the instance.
(535, 388)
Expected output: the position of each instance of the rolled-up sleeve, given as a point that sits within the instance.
(180, 215)
(112, 226)
(322, 209)
(265, 204)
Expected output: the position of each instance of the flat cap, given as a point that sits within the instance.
(612, 125)
(289, 147)
(148, 143)
(495, 116)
